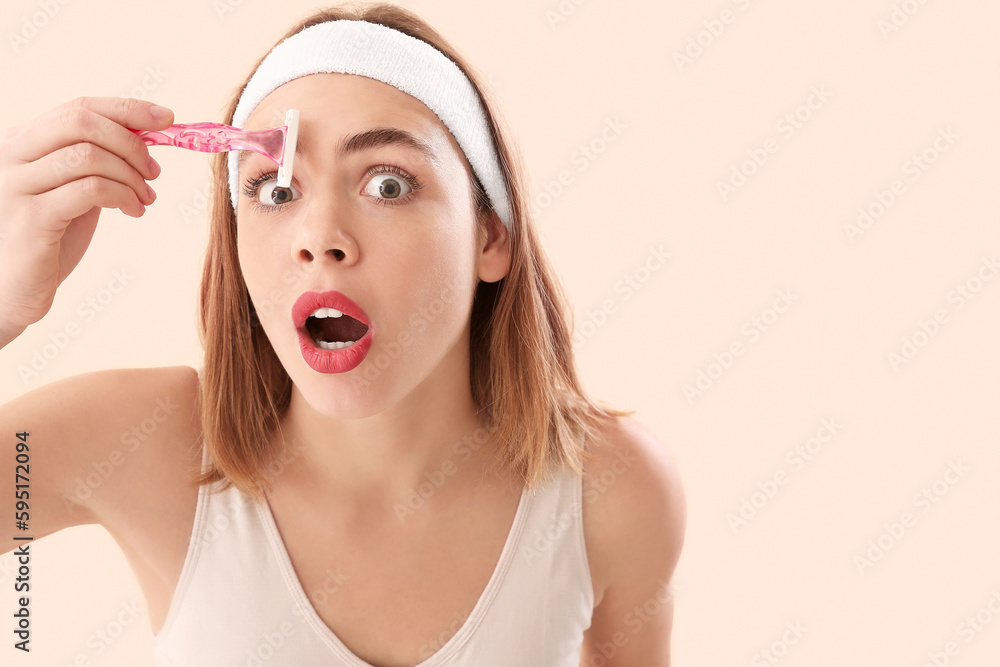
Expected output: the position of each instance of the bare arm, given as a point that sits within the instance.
(57, 173)
(639, 521)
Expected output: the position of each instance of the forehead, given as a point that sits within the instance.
(333, 106)
(342, 99)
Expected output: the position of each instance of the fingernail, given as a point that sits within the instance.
(158, 112)
(154, 167)
(150, 192)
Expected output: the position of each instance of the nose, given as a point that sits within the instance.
(321, 236)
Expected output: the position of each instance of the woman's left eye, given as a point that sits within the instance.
(387, 186)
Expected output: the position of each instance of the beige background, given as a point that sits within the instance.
(682, 128)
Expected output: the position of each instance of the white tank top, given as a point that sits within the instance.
(239, 603)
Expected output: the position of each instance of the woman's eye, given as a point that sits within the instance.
(271, 195)
(387, 186)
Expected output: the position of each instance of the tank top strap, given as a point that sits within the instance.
(547, 585)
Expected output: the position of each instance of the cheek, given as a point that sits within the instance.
(429, 324)
(427, 292)
(425, 268)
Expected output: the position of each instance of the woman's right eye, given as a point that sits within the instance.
(269, 194)
(264, 195)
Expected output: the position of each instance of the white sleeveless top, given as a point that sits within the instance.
(239, 602)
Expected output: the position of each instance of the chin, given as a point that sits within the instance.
(343, 395)
(363, 391)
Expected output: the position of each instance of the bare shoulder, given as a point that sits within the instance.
(144, 441)
(107, 445)
(634, 523)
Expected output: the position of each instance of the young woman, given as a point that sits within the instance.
(387, 458)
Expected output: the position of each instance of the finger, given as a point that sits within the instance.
(78, 121)
(74, 162)
(56, 208)
(127, 111)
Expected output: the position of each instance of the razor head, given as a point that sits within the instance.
(288, 152)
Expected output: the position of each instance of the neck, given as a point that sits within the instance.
(427, 445)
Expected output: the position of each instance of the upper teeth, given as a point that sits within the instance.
(326, 312)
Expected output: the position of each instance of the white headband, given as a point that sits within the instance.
(384, 54)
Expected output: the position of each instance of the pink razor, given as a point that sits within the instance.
(278, 144)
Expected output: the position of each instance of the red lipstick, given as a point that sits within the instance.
(324, 360)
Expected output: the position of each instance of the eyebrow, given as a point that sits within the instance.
(363, 141)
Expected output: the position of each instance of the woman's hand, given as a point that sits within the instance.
(56, 174)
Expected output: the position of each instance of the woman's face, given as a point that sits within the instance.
(385, 220)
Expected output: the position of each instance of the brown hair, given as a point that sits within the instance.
(522, 372)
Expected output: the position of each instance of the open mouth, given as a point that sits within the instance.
(331, 329)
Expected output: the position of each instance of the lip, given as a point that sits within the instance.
(310, 301)
(334, 361)
(330, 361)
